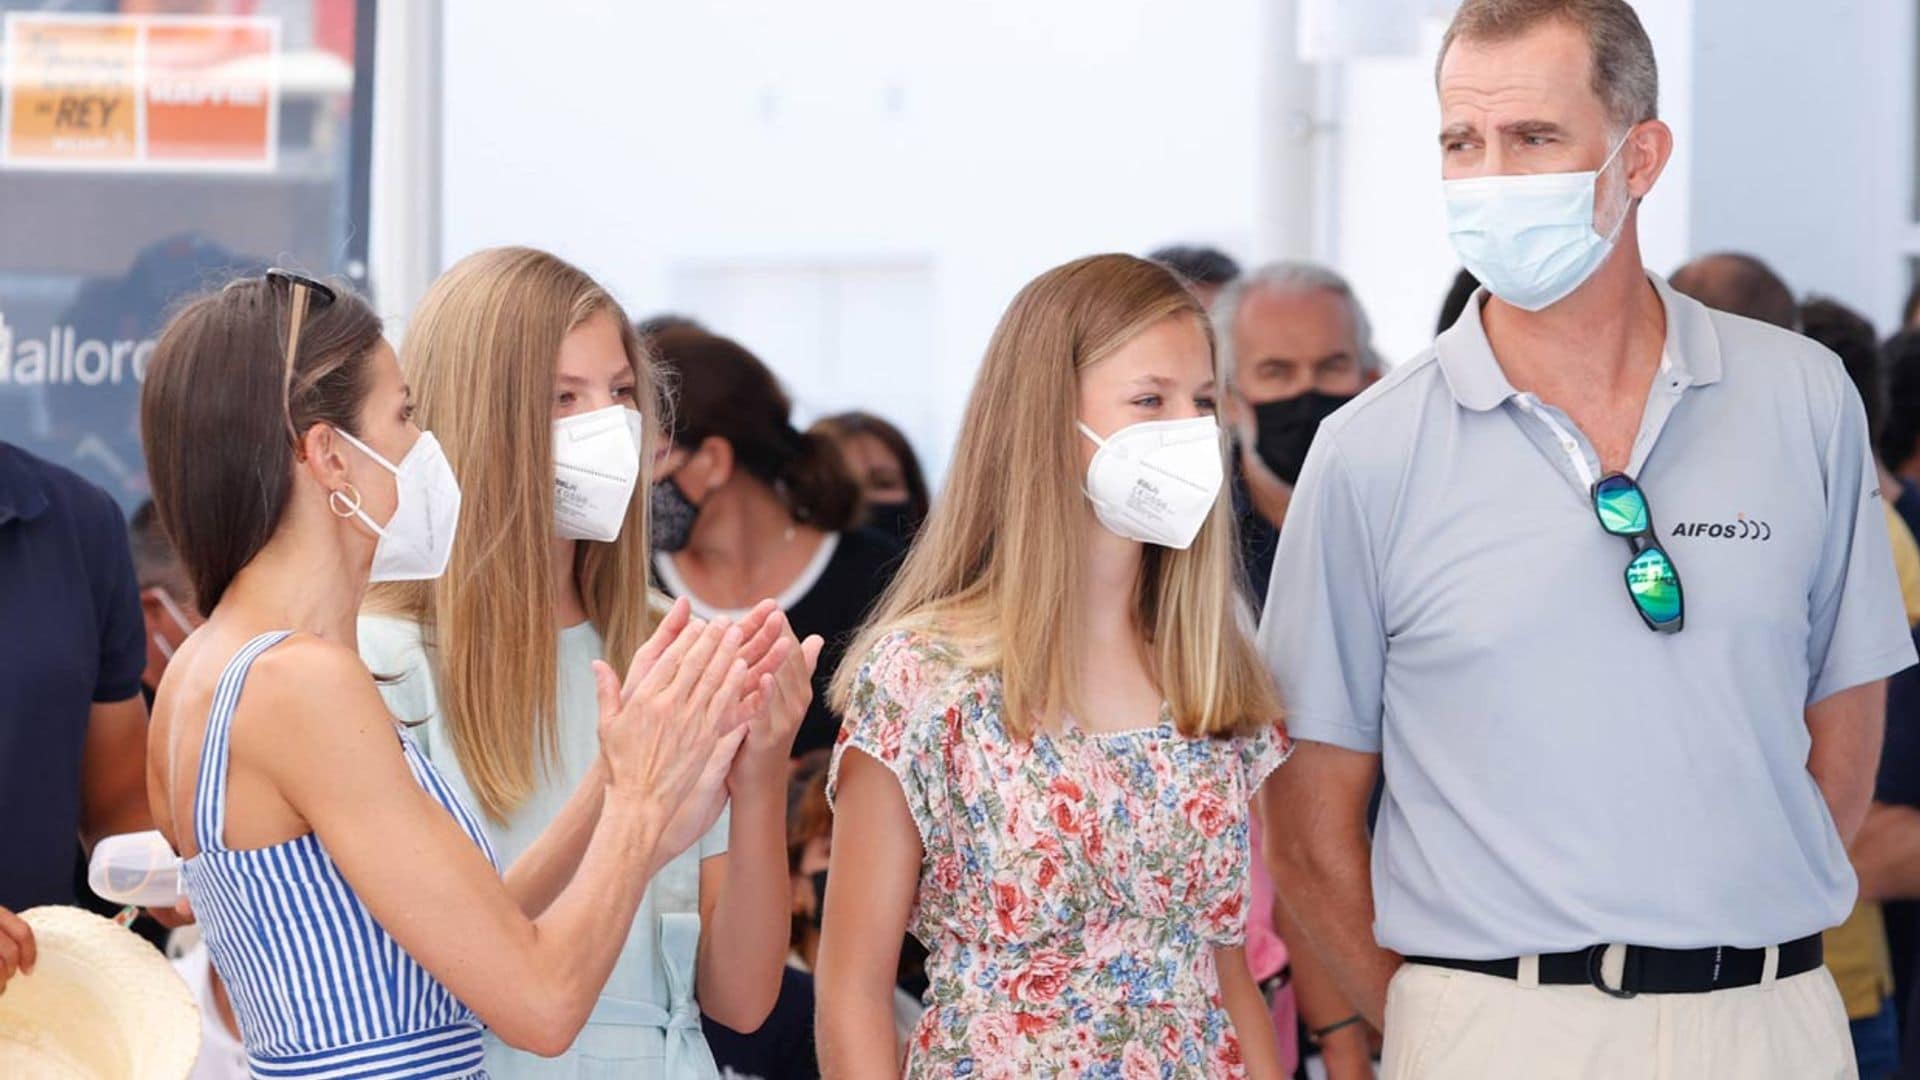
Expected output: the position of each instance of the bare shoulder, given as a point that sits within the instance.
(307, 693)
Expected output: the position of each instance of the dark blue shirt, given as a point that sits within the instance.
(1899, 784)
(70, 635)
(1899, 780)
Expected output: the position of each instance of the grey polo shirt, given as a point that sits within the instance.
(1557, 774)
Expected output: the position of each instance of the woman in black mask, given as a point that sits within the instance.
(748, 508)
(883, 463)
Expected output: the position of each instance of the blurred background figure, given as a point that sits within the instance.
(166, 596)
(748, 508)
(1295, 345)
(1900, 434)
(1896, 813)
(654, 325)
(893, 488)
(1741, 284)
(1206, 270)
(1910, 311)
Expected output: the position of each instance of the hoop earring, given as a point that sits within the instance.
(349, 497)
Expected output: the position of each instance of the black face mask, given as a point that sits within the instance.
(819, 878)
(1286, 428)
(670, 516)
(896, 519)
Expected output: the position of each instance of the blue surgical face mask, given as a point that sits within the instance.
(1531, 239)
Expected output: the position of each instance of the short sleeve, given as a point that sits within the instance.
(889, 719)
(116, 593)
(715, 840)
(1260, 754)
(1859, 630)
(1322, 631)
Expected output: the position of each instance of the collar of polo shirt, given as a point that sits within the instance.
(1692, 354)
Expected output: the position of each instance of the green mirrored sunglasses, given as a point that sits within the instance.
(1652, 582)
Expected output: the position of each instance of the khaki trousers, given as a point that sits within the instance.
(1443, 1024)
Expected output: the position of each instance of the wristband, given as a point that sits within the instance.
(1320, 1034)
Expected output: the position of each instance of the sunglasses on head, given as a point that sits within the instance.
(1652, 582)
(303, 294)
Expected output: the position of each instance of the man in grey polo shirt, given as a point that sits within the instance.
(1602, 580)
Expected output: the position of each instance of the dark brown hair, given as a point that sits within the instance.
(1852, 338)
(214, 415)
(719, 389)
(845, 425)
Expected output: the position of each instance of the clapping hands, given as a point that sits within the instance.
(756, 707)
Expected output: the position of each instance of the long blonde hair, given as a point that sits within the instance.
(998, 562)
(481, 354)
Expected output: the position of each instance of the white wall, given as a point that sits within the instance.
(856, 188)
(1392, 238)
(1804, 149)
(746, 160)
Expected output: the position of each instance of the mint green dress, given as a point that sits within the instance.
(647, 1023)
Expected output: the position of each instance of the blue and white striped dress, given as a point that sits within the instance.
(320, 990)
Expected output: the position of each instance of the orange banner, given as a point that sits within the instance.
(73, 90)
(158, 92)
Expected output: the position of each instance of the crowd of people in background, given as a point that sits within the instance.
(542, 697)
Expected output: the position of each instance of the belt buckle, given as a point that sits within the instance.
(1596, 958)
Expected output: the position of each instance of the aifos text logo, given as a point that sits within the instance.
(1740, 528)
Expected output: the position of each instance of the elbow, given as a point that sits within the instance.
(737, 992)
(744, 1016)
(546, 1030)
(547, 1042)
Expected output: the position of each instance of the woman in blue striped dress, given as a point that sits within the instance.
(349, 900)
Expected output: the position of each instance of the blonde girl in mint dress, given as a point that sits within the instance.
(544, 402)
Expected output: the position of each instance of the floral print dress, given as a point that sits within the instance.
(1073, 887)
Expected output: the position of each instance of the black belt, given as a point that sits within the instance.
(1654, 971)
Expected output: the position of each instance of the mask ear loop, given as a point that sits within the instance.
(164, 597)
(1614, 235)
(1101, 445)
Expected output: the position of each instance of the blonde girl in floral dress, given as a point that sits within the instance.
(1059, 723)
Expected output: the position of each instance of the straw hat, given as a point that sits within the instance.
(101, 1004)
